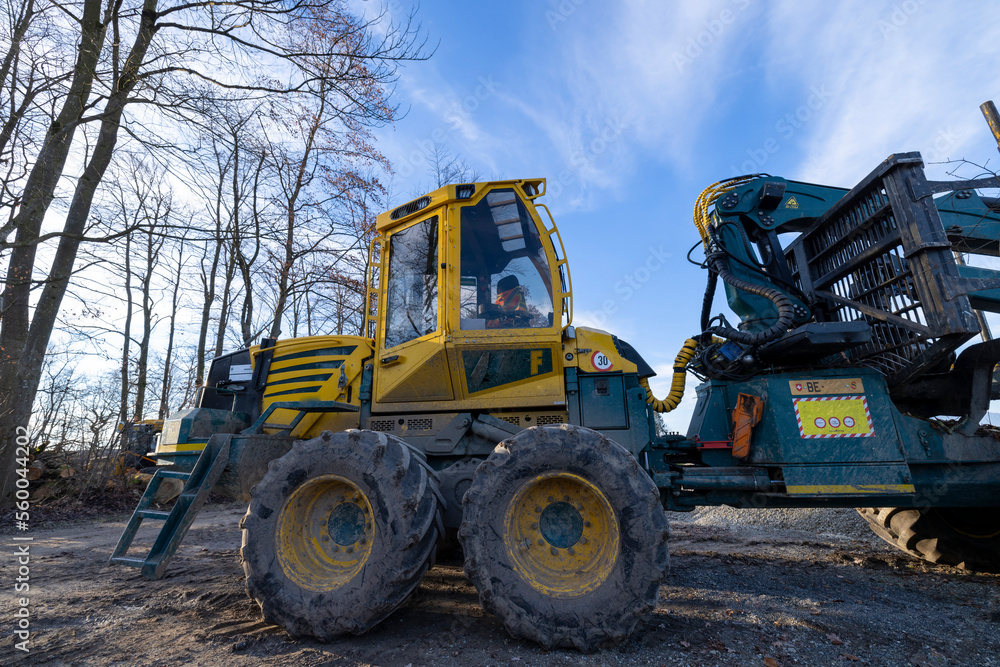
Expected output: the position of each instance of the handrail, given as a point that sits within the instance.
(371, 294)
(567, 295)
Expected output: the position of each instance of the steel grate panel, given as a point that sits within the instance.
(875, 256)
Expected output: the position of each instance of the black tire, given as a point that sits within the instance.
(544, 595)
(963, 537)
(301, 531)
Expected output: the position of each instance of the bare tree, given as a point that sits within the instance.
(161, 56)
(446, 167)
(175, 288)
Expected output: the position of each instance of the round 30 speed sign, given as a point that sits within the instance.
(600, 361)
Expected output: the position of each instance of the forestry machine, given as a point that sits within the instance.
(473, 406)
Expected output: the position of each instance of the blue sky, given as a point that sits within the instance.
(630, 109)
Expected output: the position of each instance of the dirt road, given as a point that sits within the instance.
(736, 596)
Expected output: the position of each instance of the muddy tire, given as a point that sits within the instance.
(339, 533)
(564, 537)
(964, 537)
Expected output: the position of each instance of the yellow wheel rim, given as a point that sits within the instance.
(325, 533)
(561, 535)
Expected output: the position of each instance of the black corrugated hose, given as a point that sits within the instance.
(718, 264)
(706, 304)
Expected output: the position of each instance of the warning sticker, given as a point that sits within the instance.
(601, 361)
(833, 417)
(792, 203)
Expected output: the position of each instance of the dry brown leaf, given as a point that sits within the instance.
(771, 662)
(834, 639)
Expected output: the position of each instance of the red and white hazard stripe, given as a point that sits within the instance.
(864, 402)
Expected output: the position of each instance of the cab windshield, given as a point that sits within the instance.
(506, 282)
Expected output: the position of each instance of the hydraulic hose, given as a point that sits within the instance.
(717, 264)
(673, 399)
(781, 301)
(708, 197)
(706, 304)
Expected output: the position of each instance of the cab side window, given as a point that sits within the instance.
(412, 283)
(506, 282)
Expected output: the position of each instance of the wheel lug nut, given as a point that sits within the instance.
(587, 524)
(565, 499)
(534, 526)
(326, 538)
(537, 508)
(350, 550)
(583, 540)
(555, 552)
(541, 543)
(571, 552)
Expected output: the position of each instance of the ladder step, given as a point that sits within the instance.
(197, 485)
(133, 561)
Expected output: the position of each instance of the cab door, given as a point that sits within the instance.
(506, 324)
(412, 366)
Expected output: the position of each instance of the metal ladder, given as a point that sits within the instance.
(198, 483)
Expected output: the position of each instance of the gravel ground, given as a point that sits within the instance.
(831, 522)
(764, 587)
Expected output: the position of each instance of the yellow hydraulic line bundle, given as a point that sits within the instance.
(708, 196)
(673, 399)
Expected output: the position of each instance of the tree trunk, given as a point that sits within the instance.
(20, 373)
(227, 293)
(32, 354)
(126, 333)
(142, 367)
(164, 410)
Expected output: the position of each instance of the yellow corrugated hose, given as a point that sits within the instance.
(702, 217)
(673, 399)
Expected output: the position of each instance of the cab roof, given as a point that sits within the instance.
(530, 189)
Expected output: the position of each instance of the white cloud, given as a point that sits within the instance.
(626, 82)
(904, 76)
